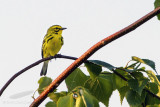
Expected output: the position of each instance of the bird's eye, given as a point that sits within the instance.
(57, 29)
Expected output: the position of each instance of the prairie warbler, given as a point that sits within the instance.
(52, 43)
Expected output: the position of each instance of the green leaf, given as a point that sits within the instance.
(101, 88)
(103, 64)
(150, 63)
(137, 59)
(157, 4)
(145, 61)
(93, 69)
(43, 83)
(137, 85)
(118, 82)
(138, 75)
(108, 76)
(55, 96)
(66, 101)
(152, 77)
(141, 85)
(88, 99)
(133, 98)
(142, 99)
(153, 87)
(51, 104)
(76, 78)
(122, 92)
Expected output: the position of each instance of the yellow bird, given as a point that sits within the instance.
(52, 44)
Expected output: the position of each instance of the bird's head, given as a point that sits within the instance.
(55, 29)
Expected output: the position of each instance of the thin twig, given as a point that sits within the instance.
(90, 52)
(127, 64)
(32, 65)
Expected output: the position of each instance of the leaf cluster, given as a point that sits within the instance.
(132, 81)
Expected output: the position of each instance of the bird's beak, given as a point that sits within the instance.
(63, 28)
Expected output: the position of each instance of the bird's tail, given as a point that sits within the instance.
(44, 68)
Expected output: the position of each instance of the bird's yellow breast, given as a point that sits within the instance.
(52, 45)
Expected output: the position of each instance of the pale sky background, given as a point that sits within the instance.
(23, 24)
